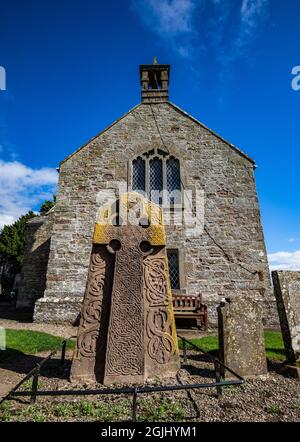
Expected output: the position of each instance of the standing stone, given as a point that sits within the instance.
(127, 331)
(241, 338)
(287, 293)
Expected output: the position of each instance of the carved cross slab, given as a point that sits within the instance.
(140, 341)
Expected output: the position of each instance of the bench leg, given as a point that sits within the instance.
(199, 324)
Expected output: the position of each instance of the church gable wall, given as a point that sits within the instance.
(230, 200)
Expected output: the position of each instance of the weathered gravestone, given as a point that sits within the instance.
(287, 293)
(127, 331)
(241, 338)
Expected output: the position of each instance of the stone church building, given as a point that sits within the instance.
(156, 148)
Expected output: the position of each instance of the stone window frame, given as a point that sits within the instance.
(164, 156)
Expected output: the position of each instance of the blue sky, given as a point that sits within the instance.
(72, 68)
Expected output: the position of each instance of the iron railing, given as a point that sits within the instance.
(134, 391)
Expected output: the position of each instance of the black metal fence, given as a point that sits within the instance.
(134, 391)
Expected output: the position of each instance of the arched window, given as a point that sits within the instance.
(138, 175)
(173, 180)
(157, 174)
(156, 180)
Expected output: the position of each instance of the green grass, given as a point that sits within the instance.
(208, 343)
(149, 409)
(274, 409)
(273, 344)
(29, 342)
(32, 342)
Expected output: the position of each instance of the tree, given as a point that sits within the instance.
(12, 242)
(47, 205)
(12, 246)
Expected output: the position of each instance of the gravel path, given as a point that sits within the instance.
(271, 399)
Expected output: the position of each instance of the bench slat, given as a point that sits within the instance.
(190, 306)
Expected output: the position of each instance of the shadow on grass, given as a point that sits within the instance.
(19, 362)
(276, 351)
(9, 311)
(197, 371)
(202, 357)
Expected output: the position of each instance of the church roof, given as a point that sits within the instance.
(174, 106)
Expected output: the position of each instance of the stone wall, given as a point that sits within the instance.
(33, 275)
(232, 213)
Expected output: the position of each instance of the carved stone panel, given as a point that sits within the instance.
(160, 338)
(127, 330)
(89, 356)
(125, 346)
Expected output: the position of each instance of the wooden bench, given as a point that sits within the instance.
(190, 307)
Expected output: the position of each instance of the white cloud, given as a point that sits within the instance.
(172, 20)
(172, 16)
(251, 14)
(294, 239)
(22, 188)
(251, 10)
(285, 260)
(220, 28)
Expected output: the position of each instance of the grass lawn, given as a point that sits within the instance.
(32, 342)
(273, 343)
(29, 342)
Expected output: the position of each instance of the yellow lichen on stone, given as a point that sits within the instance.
(170, 307)
(132, 206)
(101, 234)
(157, 235)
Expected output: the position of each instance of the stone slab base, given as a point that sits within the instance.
(56, 310)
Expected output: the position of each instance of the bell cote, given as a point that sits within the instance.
(154, 82)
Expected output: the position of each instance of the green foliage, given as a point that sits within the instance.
(47, 205)
(296, 406)
(12, 239)
(274, 409)
(30, 342)
(273, 344)
(5, 414)
(150, 409)
(32, 414)
(12, 242)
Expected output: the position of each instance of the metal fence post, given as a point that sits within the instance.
(34, 386)
(218, 377)
(134, 404)
(63, 353)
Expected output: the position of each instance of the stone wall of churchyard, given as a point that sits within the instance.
(209, 261)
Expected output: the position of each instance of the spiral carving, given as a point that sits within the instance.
(161, 345)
